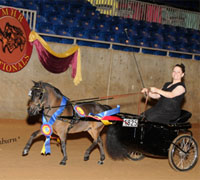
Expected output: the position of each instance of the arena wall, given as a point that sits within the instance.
(105, 72)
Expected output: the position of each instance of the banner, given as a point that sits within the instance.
(57, 62)
(15, 49)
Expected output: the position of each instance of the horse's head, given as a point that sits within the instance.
(38, 95)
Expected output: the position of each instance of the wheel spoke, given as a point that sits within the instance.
(184, 153)
(135, 155)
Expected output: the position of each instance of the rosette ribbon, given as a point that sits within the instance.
(46, 127)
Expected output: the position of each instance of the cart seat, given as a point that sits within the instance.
(185, 115)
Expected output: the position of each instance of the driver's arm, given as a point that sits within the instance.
(176, 92)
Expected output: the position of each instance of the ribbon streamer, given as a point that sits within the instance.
(46, 128)
(107, 114)
(103, 116)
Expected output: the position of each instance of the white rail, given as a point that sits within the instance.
(138, 49)
(148, 12)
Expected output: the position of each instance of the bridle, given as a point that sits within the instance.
(42, 94)
(41, 91)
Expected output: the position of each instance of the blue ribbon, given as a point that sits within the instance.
(51, 122)
(108, 112)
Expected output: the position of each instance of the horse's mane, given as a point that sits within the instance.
(57, 92)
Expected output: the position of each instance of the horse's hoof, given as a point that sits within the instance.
(62, 163)
(100, 162)
(86, 158)
(44, 154)
(25, 153)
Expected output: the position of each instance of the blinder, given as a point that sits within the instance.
(37, 92)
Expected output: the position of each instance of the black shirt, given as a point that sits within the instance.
(166, 109)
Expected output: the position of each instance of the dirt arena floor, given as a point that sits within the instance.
(15, 133)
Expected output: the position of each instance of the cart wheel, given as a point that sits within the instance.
(135, 156)
(183, 153)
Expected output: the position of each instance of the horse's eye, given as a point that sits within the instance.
(40, 97)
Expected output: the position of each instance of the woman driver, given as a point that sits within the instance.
(170, 98)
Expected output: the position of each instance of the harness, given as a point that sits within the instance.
(78, 114)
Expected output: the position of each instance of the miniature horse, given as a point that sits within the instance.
(46, 99)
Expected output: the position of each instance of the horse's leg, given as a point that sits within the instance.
(102, 154)
(88, 151)
(63, 138)
(28, 144)
(97, 141)
(63, 147)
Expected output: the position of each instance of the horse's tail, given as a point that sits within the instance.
(114, 146)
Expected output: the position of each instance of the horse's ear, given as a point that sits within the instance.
(34, 82)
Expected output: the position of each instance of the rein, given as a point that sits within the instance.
(105, 98)
(95, 99)
(145, 104)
